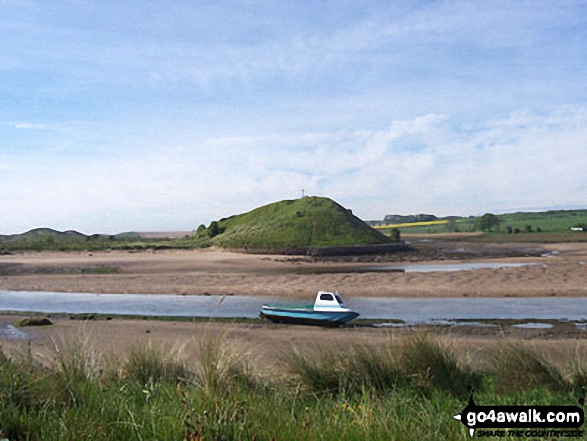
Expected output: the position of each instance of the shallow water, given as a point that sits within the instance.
(132, 304)
(534, 325)
(427, 268)
(12, 333)
(410, 267)
(421, 310)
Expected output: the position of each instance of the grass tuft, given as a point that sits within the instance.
(374, 368)
(517, 368)
(151, 364)
(221, 366)
(432, 365)
(319, 372)
(74, 357)
(418, 363)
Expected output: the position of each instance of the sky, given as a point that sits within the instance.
(159, 116)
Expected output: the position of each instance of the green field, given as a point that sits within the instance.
(408, 390)
(549, 222)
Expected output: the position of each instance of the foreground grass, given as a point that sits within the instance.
(407, 390)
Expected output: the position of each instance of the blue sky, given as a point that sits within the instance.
(150, 115)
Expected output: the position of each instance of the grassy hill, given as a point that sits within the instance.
(40, 239)
(306, 222)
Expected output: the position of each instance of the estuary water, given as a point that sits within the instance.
(421, 310)
(434, 267)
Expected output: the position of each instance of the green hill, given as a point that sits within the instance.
(49, 239)
(70, 235)
(44, 233)
(306, 222)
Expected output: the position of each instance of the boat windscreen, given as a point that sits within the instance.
(338, 299)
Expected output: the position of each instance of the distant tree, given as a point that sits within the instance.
(213, 229)
(528, 228)
(48, 240)
(487, 222)
(451, 226)
(508, 229)
(395, 234)
(201, 229)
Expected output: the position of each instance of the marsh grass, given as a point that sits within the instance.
(74, 357)
(353, 393)
(320, 372)
(431, 364)
(148, 364)
(222, 366)
(578, 374)
(517, 367)
(100, 270)
(418, 363)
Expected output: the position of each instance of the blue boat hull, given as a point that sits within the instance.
(307, 316)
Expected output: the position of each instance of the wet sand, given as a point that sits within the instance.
(204, 272)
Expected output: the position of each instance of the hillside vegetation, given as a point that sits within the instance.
(306, 222)
(40, 239)
(302, 223)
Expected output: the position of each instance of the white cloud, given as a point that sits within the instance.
(30, 126)
(423, 164)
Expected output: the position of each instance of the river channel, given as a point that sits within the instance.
(421, 310)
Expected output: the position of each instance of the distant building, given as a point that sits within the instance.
(374, 223)
(404, 219)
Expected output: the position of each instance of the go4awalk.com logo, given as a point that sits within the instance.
(522, 421)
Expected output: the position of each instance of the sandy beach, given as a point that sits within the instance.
(554, 270)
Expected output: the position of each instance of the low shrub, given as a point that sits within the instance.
(33, 321)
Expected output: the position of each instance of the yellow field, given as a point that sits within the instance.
(411, 224)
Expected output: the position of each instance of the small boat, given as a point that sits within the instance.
(327, 310)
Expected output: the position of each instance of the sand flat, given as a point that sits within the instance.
(202, 272)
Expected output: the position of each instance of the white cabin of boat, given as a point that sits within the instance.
(329, 301)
